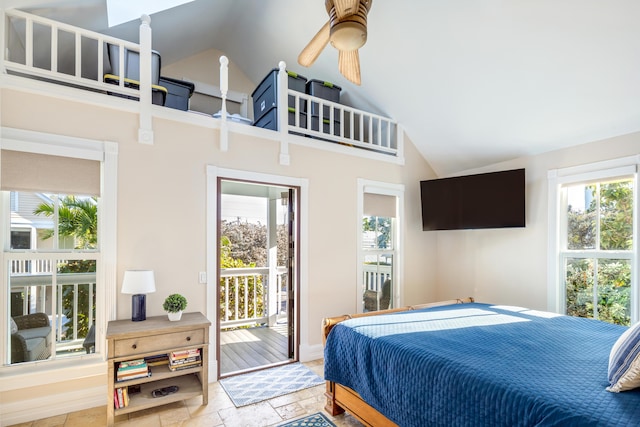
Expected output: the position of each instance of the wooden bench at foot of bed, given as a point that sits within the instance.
(341, 398)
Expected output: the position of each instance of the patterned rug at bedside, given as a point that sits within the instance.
(257, 386)
(314, 420)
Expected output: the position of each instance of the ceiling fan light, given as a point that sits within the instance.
(348, 35)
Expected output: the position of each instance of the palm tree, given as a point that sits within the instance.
(77, 218)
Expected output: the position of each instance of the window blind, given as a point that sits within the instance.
(22, 171)
(379, 205)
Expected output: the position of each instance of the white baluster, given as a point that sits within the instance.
(145, 132)
(224, 88)
(283, 112)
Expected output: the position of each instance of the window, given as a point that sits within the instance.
(379, 245)
(53, 248)
(596, 234)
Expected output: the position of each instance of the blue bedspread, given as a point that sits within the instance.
(481, 365)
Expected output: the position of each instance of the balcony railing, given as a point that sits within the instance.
(34, 291)
(246, 296)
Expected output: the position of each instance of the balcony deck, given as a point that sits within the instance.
(246, 349)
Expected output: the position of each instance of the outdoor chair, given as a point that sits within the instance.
(30, 337)
(371, 298)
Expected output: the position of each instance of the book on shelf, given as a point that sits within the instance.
(184, 359)
(132, 369)
(121, 397)
(132, 364)
(157, 360)
(133, 376)
(184, 354)
(185, 366)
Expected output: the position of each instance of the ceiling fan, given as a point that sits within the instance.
(347, 32)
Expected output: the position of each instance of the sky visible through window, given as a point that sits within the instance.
(121, 11)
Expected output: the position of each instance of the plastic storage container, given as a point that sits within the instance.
(179, 92)
(132, 64)
(326, 129)
(132, 73)
(270, 120)
(324, 90)
(265, 96)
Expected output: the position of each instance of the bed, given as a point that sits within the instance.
(462, 363)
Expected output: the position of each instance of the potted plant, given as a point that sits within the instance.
(173, 305)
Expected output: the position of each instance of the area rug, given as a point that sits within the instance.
(314, 420)
(257, 386)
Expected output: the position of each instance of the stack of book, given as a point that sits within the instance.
(131, 369)
(184, 359)
(157, 360)
(121, 397)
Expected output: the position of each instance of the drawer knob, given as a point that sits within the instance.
(134, 346)
(188, 338)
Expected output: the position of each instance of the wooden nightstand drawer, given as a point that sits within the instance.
(139, 345)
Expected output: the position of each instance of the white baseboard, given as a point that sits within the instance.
(309, 353)
(59, 403)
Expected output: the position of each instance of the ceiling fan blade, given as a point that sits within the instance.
(345, 7)
(349, 65)
(312, 50)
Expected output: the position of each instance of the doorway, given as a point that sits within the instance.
(258, 275)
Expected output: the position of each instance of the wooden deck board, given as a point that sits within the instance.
(246, 349)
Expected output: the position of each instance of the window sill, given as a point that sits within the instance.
(34, 374)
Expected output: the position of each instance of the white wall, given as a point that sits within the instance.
(509, 266)
(161, 212)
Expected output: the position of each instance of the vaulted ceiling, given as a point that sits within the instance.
(473, 82)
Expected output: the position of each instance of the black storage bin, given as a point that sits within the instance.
(179, 92)
(270, 120)
(324, 90)
(158, 93)
(265, 96)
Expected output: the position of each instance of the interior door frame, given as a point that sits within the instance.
(212, 252)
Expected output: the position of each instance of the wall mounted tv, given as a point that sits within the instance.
(487, 200)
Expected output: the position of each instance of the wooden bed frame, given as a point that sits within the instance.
(341, 398)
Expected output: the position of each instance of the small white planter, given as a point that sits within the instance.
(174, 317)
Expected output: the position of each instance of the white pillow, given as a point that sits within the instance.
(624, 361)
(14, 327)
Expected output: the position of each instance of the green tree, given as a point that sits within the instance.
(615, 203)
(253, 283)
(382, 227)
(78, 219)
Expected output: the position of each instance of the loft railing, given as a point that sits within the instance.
(51, 51)
(343, 124)
(245, 296)
(54, 51)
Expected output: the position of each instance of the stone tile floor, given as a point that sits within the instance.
(219, 412)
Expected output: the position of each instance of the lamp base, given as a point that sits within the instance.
(138, 308)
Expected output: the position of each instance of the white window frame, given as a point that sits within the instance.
(30, 374)
(385, 189)
(592, 172)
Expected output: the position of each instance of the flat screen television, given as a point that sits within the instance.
(487, 200)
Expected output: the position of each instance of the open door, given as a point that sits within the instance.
(258, 276)
(291, 273)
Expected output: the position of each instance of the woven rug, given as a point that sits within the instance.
(257, 386)
(314, 420)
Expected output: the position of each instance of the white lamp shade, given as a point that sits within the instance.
(138, 282)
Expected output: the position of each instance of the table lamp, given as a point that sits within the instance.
(138, 283)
